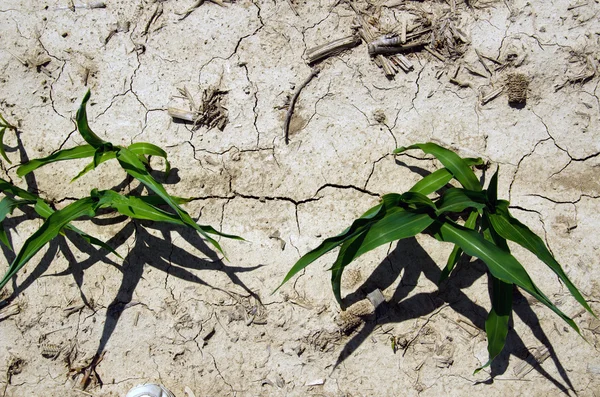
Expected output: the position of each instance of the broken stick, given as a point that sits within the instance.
(290, 112)
(334, 47)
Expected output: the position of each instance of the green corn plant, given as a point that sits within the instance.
(4, 125)
(484, 235)
(134, 159)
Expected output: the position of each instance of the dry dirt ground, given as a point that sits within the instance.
(176, 313)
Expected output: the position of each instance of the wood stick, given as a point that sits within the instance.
(389, 69)
(290, 112)
(333, 47)
(293, 7)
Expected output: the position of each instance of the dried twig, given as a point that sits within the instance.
(290, 112)
(491, 95)
(392, 45)
(487, 69)
(368, 36)
(435, 54)
(197, 4)
(158, 10)
(333, 47)
(293, 7)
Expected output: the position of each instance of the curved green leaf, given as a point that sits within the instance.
(148, 149)
(134, 167)
(82, 124)
(97, 161)
(358, 226)
(496, 325)
(417, 200)
(7, 206)
(439, 178)
(457, 252)
(49, 230)
(78, 152)
(156, 200)
(492, 190)
(458, 200)
(346, 255)
(2, 152)
(134, 207)
(3, 126)
(452, 161)
(511, 229)
(432, 182)
(501, 263)
(397, 224)
(7, 187)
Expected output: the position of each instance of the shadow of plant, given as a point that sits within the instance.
(412, 261)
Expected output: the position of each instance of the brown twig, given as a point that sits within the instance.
(293, 7)
(290, 112)
(334, 47)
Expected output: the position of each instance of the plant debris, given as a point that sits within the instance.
(516, 87)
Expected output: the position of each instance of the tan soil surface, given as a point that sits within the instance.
(178, 314)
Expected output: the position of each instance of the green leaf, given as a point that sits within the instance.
(4, 237)
(492, 190)
(453, 162)
(101, 151)
(432, 182)
(7, 206)
(417, 200)
(345, 256)
(496, 325)
(134, 167)
(438, 179)
(2, 152)
(148, 149)
(49, 230)
(3, 126)
(156, 200)
(83, 127)
(511, 229)
(105, 156)
(134, 207)
(7, 187)
(358, 226)
(397, 224)
(501, 263)
(78, 152)
(457, 252)
(458, 200)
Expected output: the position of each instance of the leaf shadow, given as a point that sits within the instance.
(409, 260)
(158, 252)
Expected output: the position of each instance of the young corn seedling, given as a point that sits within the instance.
(484, 235)
(4, 125)
(133, 159)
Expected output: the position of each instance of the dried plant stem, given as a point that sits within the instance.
(392, 46)
(290, 112)
(491, 95)
(333, 47)
(368, 36)
(293, 7)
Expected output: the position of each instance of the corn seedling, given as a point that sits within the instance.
(484, 235)
(134, 159)
(4, 125)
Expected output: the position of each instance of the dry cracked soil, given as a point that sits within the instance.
(515, 82)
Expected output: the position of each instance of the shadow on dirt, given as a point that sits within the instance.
(147, 250)
(412, 261)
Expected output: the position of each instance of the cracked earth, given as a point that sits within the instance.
(178, 314)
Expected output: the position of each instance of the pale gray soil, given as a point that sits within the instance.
(178, 314)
